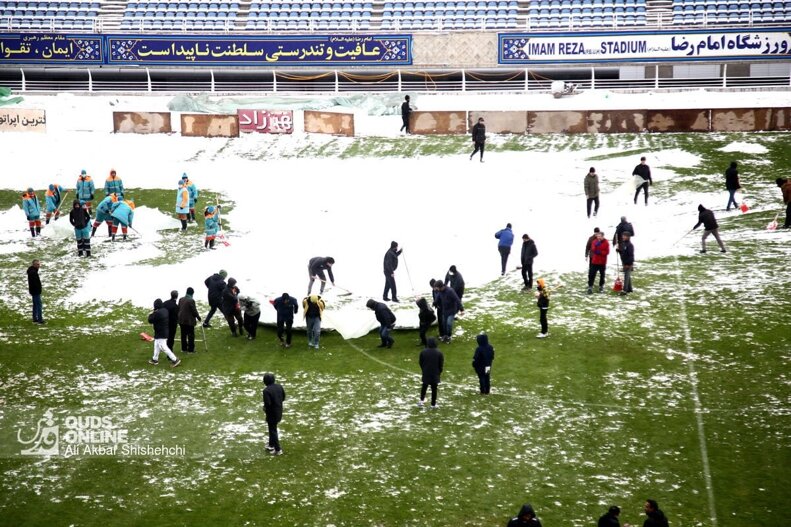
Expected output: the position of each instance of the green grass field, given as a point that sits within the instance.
(681, 393)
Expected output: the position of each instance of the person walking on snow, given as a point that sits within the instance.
(53, 198)
(216, 285)
(159, 319)
(80, 219)
(210, 226)
(316, 268)
(183, 204)
(312, 308)
(32, 209)
(172, 305)
(273, 396)
(785, 188)
(390, 265)
(426, 317)
(482, 363)
(286, 307)
(455, 281)
(122, 212)
(542, 295)
(732, 184)
(230, 307)
(626, 250)
(406, 111)
(592, 191)
(114, 185)
(192, 189)
(478, 138)
(35, 289)
(85, 190)
(386, 320)
(506, 237)
(642, 172)
(104, 214)
(450, 305)
(710, 226)
(529, 252)
(251, 309)
(600, 249)
(188, 317)
(431, 362)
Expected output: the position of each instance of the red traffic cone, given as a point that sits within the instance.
(743, 207)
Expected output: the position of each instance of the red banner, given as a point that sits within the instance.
(266, 122)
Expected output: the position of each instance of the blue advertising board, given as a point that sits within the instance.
(209, 50)
(645, 46)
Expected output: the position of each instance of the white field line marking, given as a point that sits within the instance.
(693, 380)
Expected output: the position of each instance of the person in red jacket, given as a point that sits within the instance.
(600, 248)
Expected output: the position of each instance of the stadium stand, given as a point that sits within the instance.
(388, 15)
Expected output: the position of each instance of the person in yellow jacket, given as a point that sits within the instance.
(183, 204)
(313, 306)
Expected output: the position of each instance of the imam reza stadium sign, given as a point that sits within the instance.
(644, 46)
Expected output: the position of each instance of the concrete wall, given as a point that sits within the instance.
(441, 123)
(677, 120)
(556, 122)
(749, 119)
(19, 120)
(616, 121)
(203, 125)
(329, 123)
(457, 49)
(142, 122)
(501, 122)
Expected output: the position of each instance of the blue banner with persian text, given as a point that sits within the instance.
(209, 50)
(645, 46)
(42, 48)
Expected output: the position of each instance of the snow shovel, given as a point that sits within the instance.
(772, 224)
(220, 236)
(203, 330)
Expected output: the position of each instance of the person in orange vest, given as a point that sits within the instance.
(32, 208)
(114, 185)
(183, 203)
(122, 212)
(53, 198)
(85, 189)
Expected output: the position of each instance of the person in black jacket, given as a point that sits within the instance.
(622, 227)
(286, 307)
(542, 294)
(482, 362)
(390, 265)
(386, 320)
(450, 305)
(732, 184)
(529, 252)
(526, 518)
(426, 317)
(230, 307)
(435, 302)
(610, 518)
(455, 280)
(644, 172)
(478, 138)
(159, 319)
(431, 363)
(188, 317)
(216, 285)
(273, 396)
(316, 268)
(710, 226)
(406, 111)
(626, 250)
(656, 518)
(80, 219)
(172, 306)
(34, 288)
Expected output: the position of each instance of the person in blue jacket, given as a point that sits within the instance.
(506, 237)
(210, 226)
(183, 204)
(54, 196)
(103, 214)
(123, 212)
(482, 362)
(192, 189)
(32, 208)
(114, 185)
(85, 190)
